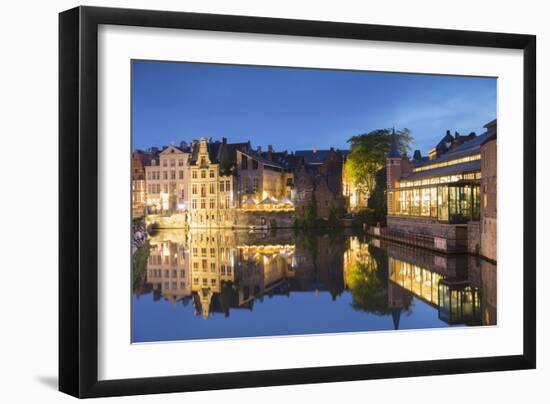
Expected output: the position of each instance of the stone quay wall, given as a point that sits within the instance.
(240, 219)
(173, 221)
(455, 237)
(269, 219)
(474, 238)
(489, 238)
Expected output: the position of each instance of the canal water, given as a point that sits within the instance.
(227, 284)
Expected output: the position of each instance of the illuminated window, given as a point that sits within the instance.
(447, 163)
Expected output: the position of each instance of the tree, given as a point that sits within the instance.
(377, 200)
(368, 155)
(310, 213)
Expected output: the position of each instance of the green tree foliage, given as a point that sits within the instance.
(368, 282)
(368, 155)
(310, 212)
(377, 201)
(139, 265)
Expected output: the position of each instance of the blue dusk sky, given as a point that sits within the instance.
(295, 109)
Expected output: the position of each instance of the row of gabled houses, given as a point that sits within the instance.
(209, 181)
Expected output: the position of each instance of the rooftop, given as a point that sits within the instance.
(469, 147)
(317, 156)
(448, 170)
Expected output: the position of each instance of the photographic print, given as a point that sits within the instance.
(277, 201)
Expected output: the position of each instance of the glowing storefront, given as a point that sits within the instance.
(438, 197)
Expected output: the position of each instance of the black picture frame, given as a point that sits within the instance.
(78, 200)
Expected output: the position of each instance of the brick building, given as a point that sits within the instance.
(321, 176)
(488, 221)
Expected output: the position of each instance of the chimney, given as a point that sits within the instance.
(457, 135)
(224, 140)
(270, 148)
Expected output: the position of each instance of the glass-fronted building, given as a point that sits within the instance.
(448, 193)
(442, 188)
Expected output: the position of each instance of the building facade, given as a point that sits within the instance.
(319, 180)
(261, 178)
(166, 180)
(438, 197)
(211, 186)
(140, 160)
(488, 222)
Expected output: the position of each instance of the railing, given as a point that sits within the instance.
(449, 245)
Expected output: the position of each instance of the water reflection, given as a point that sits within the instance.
(227, 283)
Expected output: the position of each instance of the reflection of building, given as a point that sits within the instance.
(451, 284)
(212, 261)
(398, 300)
(437, 196)
(168, 269)
(166, 180)
(223, 270)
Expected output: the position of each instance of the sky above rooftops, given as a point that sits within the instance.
(296, 109)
